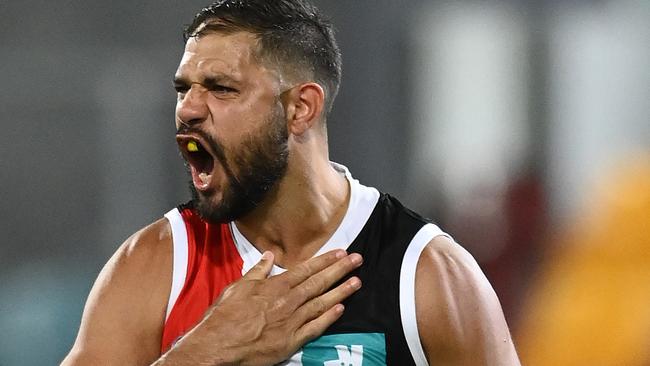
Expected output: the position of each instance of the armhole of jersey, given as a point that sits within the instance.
(407, 290)
(179, 266)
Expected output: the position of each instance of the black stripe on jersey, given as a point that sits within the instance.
(375, 308)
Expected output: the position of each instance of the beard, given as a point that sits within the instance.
(260, 163)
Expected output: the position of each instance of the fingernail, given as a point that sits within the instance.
(339, 308)
(355, 283)
(340, 254)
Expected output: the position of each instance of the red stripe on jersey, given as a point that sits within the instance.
(213, 263)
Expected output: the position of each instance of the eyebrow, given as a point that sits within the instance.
(207, 81)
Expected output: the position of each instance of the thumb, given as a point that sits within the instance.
(262, 269)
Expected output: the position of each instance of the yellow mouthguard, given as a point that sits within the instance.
(192, 146)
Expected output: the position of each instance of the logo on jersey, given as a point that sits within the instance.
(350, 349)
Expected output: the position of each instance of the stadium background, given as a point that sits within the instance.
(522, 127)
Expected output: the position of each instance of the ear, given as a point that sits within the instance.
(304, 105)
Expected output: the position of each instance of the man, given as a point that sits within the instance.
(255, 85)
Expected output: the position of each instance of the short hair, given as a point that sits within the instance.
(292, 33)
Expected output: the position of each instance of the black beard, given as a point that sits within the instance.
(261, 164)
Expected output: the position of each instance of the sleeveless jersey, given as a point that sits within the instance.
(378, 326)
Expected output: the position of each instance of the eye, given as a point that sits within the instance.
(218, 88)
(181, 89)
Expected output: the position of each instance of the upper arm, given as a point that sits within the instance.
(459, 317)
(125, 311)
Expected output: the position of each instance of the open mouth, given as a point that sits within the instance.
(199, 158)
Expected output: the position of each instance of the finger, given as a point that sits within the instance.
(317, 306)
(262, 269)
(316, 327)
(304, 270)
(325, 279)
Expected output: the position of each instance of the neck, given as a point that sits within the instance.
(301, 214)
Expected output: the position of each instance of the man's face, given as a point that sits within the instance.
(231, 126)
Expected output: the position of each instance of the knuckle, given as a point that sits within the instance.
(302, 270)
(314, 285)
(319, 306)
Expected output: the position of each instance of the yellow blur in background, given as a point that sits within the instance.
(590, 304)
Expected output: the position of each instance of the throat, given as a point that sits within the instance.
(289, 248)
(292, 240)
(299, 220)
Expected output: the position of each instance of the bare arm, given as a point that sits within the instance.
(256, 321)
(459, 316)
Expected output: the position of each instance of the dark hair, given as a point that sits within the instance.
(292, 33)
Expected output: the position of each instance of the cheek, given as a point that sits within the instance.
(234, 121)
(223, 112)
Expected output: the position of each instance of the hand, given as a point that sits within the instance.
(263, 321)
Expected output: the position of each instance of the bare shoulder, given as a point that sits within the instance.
(459, 316)
(151, 244)
(125, 311)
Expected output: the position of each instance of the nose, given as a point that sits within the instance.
(191, 107)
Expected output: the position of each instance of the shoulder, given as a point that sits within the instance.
(141, 265)
(459, 317)
(125, 311)
(146, 255)
(151, 243)
(393, 216)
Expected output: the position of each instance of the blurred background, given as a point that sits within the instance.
(521, 127)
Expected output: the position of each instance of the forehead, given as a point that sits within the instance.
(233, 55)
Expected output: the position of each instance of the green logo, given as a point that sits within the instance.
(349, 349)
